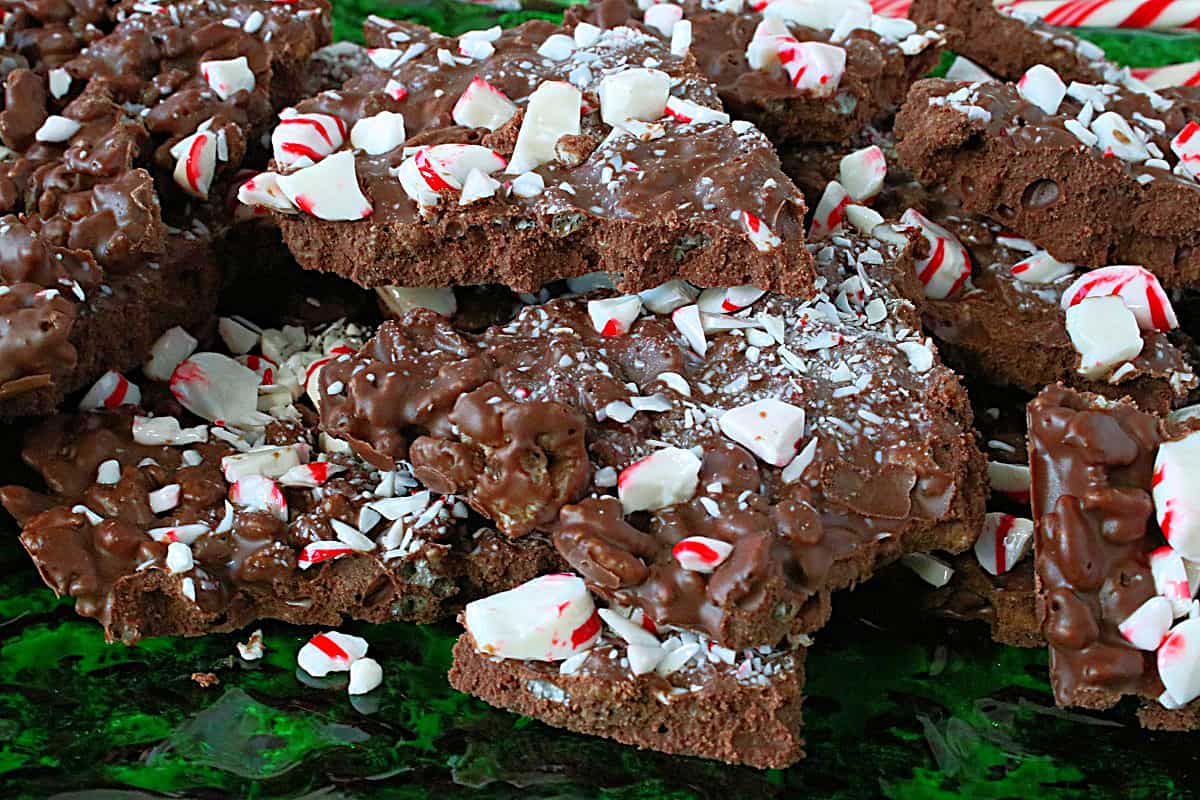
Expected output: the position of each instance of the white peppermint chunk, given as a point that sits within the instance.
(378, 134)
(1043, 87)
(328, 190)
(546, 619)
(553, 111)
(664, 478)
(1176, 493)
(1105, 334)
(638, 93)
(483, 106)
(769, 428)
(229, 77)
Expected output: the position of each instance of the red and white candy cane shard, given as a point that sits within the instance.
(1041, 268)
(553, 111)
(729, 300)
(330, 652)
(664, 478)
(1171, 579)
(1105, 334)
(112, 390)
(686, 111)
(432, 172)
(947, 268)
(666, 297)
(763, 239)
(316, 552)
(813, 67)
(771, 429)
(1176, 491)
(1137, 287)
(328, 189)
(701, 553)
(1010, 479)
(310, 475)
(301, 140)
(663, 17)
(1043, 87)
(830, 211)
(196, 163)
(893, 9)
(1186, 74)
(763, 50)
(378, 134)
(550, 618)
(268, 461)
(688, 322)
(217, 388)
(264, 368)
(863, 172)
(262, 191)
(482, 105)
(1112, 13)
(614, 316)
(637, 93)
(1179, 661)
(167, 352)
(1005, 540)
(228, 77)
(259, 493)
(179, 533)
(1146, 627)
(1186, 145)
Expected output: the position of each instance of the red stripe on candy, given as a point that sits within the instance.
(329, 647)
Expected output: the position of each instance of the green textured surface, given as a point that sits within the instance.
(897, 705)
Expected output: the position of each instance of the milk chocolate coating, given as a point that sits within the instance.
(1093, 462)
(508, 418)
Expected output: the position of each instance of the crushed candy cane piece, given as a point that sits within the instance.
(547, 619)
(664, 478)
(330, 651)
(769, 428)
(111, 390)
(701, 553)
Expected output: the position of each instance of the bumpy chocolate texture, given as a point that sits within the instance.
(92, 274)
(670, 201)
(1007, 43)
(1074, 195)
(1093, 463)
(744, 710)
(523, 421)
(101, 531)
(883, 58)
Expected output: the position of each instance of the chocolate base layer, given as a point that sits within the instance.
(114, 331)
(720, 718)
(1006, 159)
(1092, 465)
(1007, 45)
(1007, 603)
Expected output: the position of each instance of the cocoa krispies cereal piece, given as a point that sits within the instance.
(1007, 42)
(49, 33)
(804, 73)
(526, 156)
(1103, 174)
(744, 710)
(1114, 503)
(536, 422)
(158, 521)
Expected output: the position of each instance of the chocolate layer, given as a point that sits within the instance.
(649, 207)
(1009, 160)
(523, 420)
(746, 712)
(878, 70)
(1093, 463)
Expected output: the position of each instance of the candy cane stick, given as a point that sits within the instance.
(891, 8)
(1112, 13)
(1187, 74)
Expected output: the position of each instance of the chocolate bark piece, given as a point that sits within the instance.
(1007, 43)
(105, 528)
(56, 343)
(881, 63)
(1093, 467)
(532, 411)
(1011, 161)
(746, 712)
(703, 200)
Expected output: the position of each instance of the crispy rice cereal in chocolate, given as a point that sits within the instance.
(1113, 489)
(526, 156)
(1008, 42)
(156, 522)
(764, 59)
(812, 440)
(1096, 174)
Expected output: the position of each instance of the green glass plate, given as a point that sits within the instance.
(897, 705)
